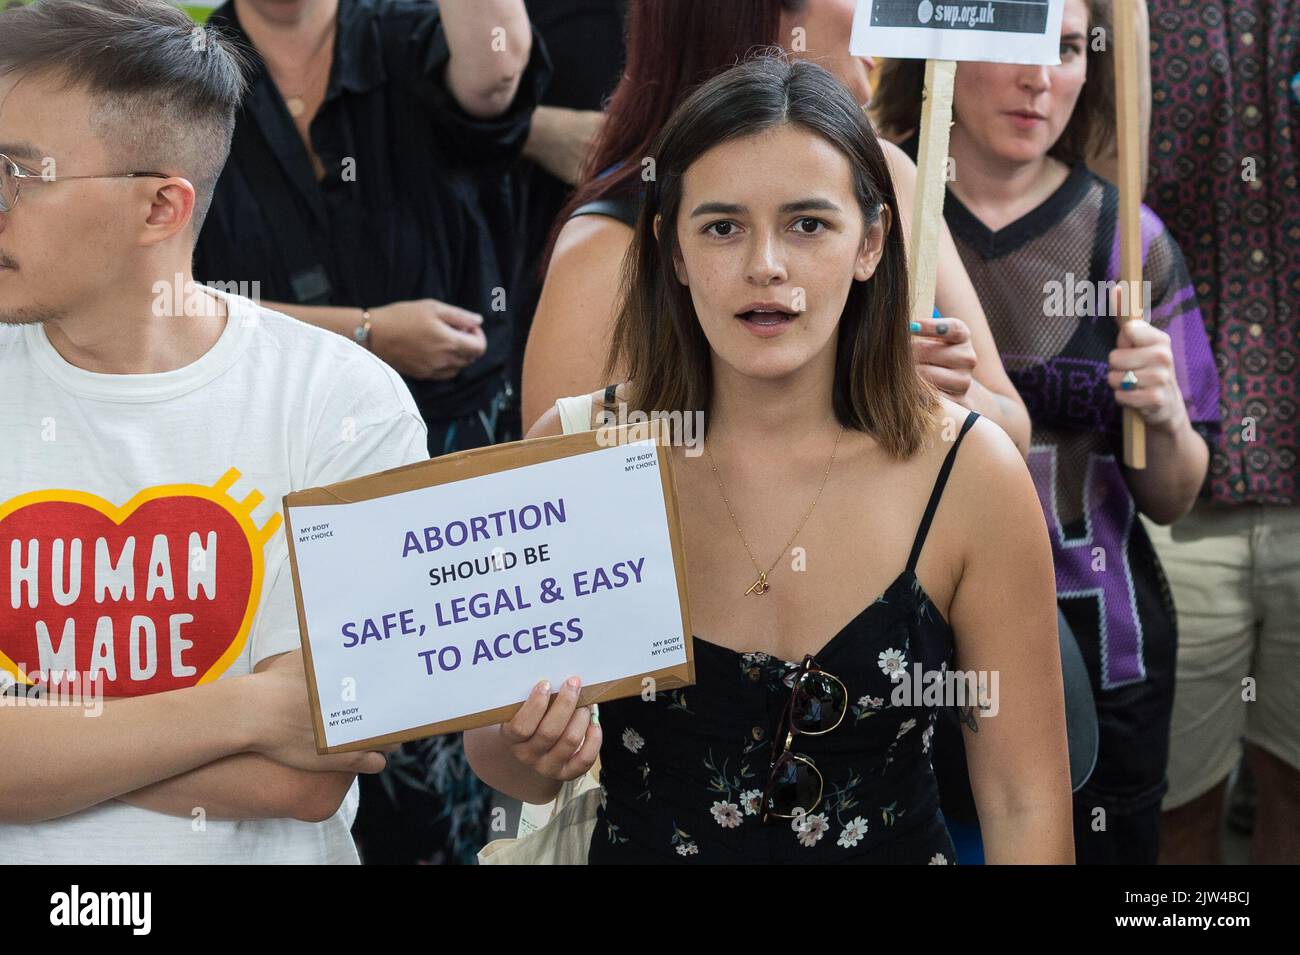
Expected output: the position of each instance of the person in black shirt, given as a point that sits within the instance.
(353, 200)
(352, 197)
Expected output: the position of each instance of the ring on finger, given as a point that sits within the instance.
(1129, 381)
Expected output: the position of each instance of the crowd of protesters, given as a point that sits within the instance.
(424, 227)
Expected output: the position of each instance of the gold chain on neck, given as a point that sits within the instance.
(761, 586)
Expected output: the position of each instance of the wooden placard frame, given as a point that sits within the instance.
(465, 465)
(1129, 143)
(931, 185)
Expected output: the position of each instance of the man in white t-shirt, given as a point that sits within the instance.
(148, 431)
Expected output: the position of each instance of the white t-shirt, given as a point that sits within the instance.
(159, 561)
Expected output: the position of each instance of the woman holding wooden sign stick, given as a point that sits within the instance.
(1037, 232)
(804, 739)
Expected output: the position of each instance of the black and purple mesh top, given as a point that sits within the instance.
(1043, 282)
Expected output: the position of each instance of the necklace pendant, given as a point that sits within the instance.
(759, 586)
(296, 106)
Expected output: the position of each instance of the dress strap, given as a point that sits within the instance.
(937, 493)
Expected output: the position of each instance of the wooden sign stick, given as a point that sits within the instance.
(931, 182)
(1130, 199)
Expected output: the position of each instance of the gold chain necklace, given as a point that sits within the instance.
(761, 586)
(296, 102)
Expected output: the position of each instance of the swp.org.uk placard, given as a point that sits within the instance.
(1001, 31)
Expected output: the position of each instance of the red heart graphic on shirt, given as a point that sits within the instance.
(154, 595)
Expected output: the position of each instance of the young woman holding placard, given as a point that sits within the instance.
(767, 288)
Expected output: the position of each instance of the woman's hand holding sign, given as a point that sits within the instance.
(944, 354)
(1141, 374)
(553, 736)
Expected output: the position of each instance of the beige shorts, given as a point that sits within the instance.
(1235, 577)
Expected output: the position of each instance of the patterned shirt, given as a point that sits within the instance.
(1225, 82)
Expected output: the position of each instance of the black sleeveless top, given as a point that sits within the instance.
(622, 207)
(682, 776)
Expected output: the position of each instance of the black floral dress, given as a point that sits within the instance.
(683, 775)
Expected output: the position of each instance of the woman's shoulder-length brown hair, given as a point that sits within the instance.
(657, 336)
(896, 104)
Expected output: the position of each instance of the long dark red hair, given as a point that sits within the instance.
(672, 47)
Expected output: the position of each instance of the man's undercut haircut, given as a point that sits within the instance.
(165, 90)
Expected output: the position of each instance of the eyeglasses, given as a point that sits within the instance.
(12, 174)
(818, 702)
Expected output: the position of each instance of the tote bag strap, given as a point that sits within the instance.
(575, 413)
